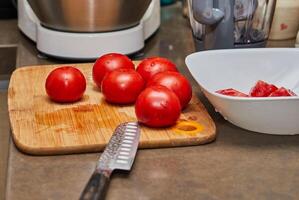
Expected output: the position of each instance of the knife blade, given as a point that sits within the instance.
(119, 154)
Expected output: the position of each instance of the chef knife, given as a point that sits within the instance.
(118, 154)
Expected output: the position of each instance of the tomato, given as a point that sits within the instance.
(175, 82)
(282, 92)
(122, 86)
(65, 84)
(151, 66)
(157, 106)
(108, 63)
(262, 89)
(232, 92)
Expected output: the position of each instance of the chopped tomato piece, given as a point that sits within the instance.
(232, 92)
(262, 89)
(282, 92)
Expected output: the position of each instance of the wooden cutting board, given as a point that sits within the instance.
(42, 127)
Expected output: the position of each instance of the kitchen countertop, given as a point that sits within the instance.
(239, 165)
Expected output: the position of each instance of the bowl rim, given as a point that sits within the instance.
(283, 49)
(229, 51)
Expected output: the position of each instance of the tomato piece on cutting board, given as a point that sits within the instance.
(122, 86)
(175, 82)
(108, 63)
(154, 65)
(157, 106)
(65, 84)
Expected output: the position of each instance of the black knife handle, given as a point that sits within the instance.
(96, 187)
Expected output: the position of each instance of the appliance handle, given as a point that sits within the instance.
(205, 13)
(218, 18)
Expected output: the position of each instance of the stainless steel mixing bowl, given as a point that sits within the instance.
(89, 15)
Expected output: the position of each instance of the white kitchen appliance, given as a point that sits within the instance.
(87, 45)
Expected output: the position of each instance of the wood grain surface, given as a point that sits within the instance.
(42, 127)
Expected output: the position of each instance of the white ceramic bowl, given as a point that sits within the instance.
(240, 69)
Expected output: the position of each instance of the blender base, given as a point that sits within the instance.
(82, 46)
(87, 46)
(261, 44)
(199, 45)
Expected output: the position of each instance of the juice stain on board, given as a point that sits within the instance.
(82, 119)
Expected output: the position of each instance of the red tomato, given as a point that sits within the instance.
(151, 66)
(122, 86)
(175, 82)
(157, 106)
(232, 92)
(282, 92)
(65, 84)
(108, 63)
(262, 89)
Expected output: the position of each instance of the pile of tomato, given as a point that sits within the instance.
(156, 87)
(260, 89)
